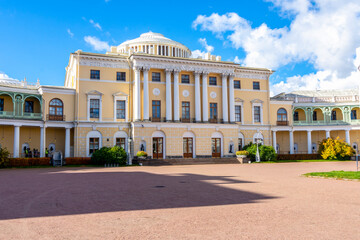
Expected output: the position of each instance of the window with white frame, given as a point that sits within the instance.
(237, 113)
(94, 108)
(93, 145)
(120, 109)
(257, 114)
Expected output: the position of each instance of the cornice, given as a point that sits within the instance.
(99, 61)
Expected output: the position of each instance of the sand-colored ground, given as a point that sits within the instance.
(252, 201)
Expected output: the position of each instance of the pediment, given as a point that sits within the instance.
(256, 101)
(238, 100)
(120, 94)
(94, 92)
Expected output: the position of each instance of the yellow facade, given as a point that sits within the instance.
(91, 107)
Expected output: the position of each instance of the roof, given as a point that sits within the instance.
(152, 38)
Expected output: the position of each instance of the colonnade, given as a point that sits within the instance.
(16, 147)
(228, 104)
(309, 141)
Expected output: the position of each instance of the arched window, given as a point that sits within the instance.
(281, 117)
(56, 110)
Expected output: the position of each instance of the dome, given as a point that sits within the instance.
(155, 44)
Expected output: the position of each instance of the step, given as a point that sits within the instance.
(187, 161)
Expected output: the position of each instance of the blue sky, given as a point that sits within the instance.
(38, 36)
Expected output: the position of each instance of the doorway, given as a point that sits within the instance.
(158, 143)
(216, 147)
(188, 147)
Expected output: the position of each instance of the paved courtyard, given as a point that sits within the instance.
(252, 201)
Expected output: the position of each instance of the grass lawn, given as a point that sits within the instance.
(335, 174)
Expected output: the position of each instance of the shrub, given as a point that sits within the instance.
(4, 157)
(266, 152)
(107, 155)
(242, 153)
(27, 162)
(141, 154)
(335, 149)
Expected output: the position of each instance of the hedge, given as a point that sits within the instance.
(78, 160)
(26, 162)
(311, 156)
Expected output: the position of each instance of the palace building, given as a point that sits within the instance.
(149, 94)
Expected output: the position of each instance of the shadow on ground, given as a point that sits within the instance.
(40, 193)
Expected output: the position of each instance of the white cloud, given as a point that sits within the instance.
(238, 60)
(3, 75)
(198, 53)
(203, 42)
(95, 24)
(97, 44)
(324, 33)
(70, 33)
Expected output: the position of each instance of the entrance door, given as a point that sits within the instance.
(216, 147)
(157, 147)
(188, 147)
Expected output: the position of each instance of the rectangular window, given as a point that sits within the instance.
(213, 112)
(94, 108)
(257, 117)
(333, 115)
(240, 144)
(29, 106)
(156, 111)
(94, 74)
(212, 81)
(120, 109)
(185, 78)
(353, 114)
(256, 85)
(121, 76)
(296, 116)
(186, 111)
(120, 142)
(314, 116)
(156, 77)
(93, 145)
(237, 113)
(237, 84)
(1, 104)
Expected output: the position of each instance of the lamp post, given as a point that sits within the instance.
(258, 141)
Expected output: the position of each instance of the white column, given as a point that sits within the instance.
(309, 141)
(205, 97)
(327, 134)
(274, 141)
(232, 99)
(291, 138)
(168, 95)
(225, 98)
(176, 96)
(347, 136)
(67, 142)
(197, 97)
(42, 141)
(146, 93)
(136, 96)
(16, 141)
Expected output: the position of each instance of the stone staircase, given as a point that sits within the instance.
(185, 161)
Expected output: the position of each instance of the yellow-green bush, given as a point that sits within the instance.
(335, 149)
(242, 153)
(141, 154)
